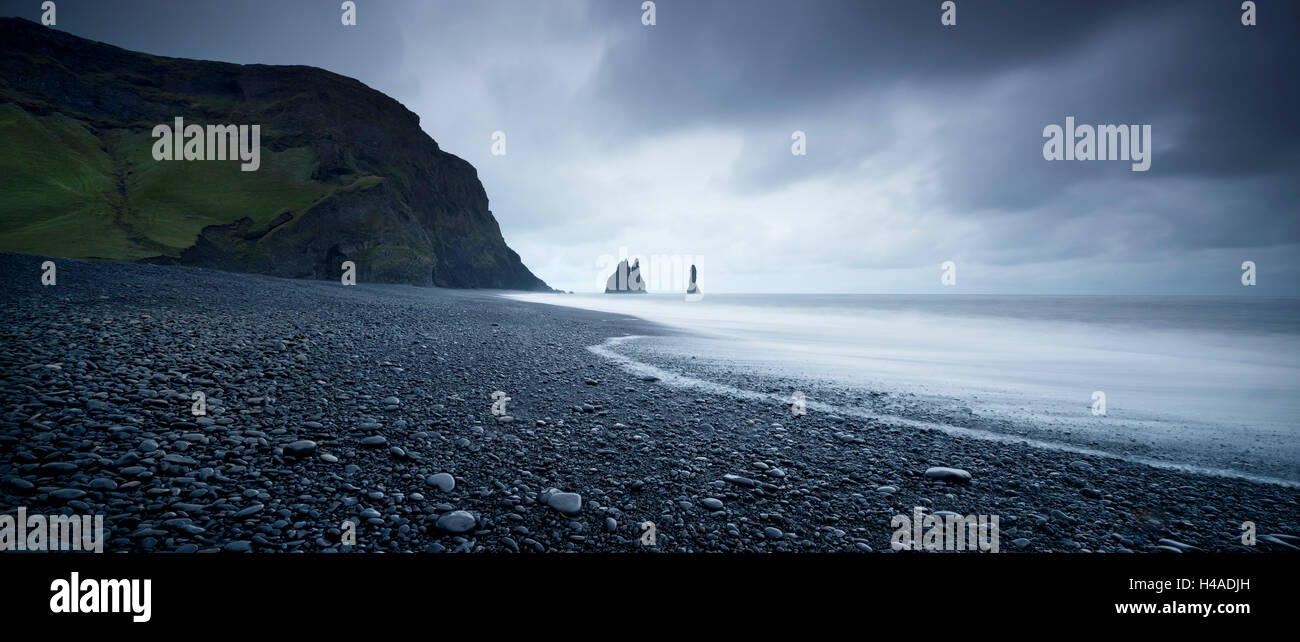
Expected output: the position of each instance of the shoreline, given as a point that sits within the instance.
(394, 385)
(897, 377)
(839, 413)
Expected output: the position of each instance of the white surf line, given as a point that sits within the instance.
(639, 368)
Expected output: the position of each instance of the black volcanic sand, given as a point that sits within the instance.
(393, 385)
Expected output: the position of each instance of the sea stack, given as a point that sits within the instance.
(693, 292)
(626, 279)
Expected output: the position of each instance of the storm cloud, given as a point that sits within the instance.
(924, 141)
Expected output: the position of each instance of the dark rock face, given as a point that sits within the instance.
(626, 279)
(692, 287)
(390, 200)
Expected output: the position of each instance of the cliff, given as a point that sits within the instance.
(346, 172)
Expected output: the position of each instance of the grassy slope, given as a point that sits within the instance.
(60, 196)
(77, 178)
(57, 193)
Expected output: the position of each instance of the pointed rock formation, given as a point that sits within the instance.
(626, 279)
(693, 292)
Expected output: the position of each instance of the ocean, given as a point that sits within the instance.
(1203, 383)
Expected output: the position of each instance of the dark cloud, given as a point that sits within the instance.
(1220, 94)
(280, 32)
(922, 139)
(716, 60)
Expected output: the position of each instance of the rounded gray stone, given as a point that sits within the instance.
(300, 448)
(953, 475)
(67, 494)
(567, 503)
(442, 481)
(457, 521)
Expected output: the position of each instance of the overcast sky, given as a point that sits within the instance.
(924, 142)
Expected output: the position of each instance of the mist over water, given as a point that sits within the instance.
(1204, 381)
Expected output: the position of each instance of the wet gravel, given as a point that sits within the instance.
(362, 419)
